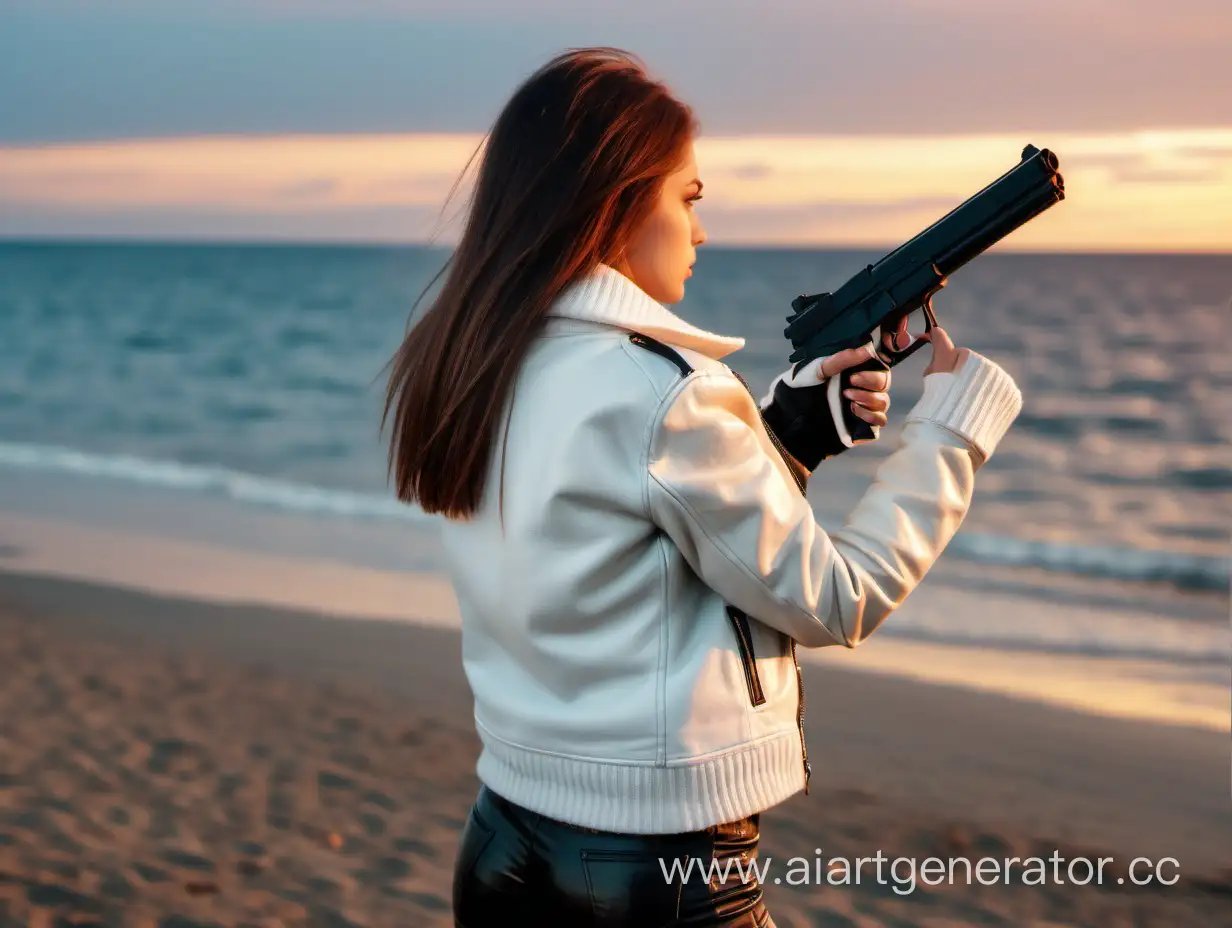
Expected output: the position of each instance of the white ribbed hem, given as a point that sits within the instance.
(637, 798)
(979, 403)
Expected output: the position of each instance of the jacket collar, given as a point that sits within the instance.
(606, 296)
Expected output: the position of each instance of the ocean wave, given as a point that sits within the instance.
(1205, 650)
(216, 481)
(1183, 570)
(1180, 569)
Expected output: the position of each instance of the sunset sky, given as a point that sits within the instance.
(830, 122)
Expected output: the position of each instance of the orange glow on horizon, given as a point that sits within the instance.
(1163, 190)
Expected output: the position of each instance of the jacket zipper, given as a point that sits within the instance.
(740, 622)
(808, 768)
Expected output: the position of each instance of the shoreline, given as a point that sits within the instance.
(1102, 686)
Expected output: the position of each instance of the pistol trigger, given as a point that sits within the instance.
(930, 320)
(894, 337)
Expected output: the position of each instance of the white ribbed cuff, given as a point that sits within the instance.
(978, 404)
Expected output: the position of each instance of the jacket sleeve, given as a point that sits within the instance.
(719, 488)
(805, 421)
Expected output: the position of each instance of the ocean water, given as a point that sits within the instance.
(254, 376)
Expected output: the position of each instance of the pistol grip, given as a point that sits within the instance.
(858, 430)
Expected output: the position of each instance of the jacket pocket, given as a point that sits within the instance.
(744, 638)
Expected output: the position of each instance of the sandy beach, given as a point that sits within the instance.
(231, 682)
(172, 762)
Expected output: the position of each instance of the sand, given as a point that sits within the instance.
(170, 762)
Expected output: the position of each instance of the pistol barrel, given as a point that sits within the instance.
(905, 277)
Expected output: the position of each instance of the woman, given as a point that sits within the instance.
(628, 535)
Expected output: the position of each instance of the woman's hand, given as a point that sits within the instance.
(946, 358)
(869, 393)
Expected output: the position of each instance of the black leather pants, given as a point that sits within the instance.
(516, 867)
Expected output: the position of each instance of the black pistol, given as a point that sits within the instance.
(882, 294)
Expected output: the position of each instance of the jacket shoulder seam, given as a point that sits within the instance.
(662, 350)
(638, 358)
(731, 556)
(663, 394)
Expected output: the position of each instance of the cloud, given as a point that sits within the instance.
(1145, 174)
(314, 188)
(418, 186)
(1164, 190)
(823, 222)
(182, 67)
(1155, 164)
(206, 223)
(1205, 151)
(754, 171)
(236, 172)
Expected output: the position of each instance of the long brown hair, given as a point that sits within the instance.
(571, 167)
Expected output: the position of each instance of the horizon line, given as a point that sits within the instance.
(379, 243)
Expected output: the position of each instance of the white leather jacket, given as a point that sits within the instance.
(630, 615)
